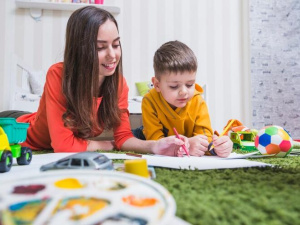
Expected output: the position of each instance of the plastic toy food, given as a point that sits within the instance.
(274, 140)
(82, 160)
(12, 134)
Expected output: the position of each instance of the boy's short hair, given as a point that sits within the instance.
(174, 56)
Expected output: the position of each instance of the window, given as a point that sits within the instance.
(101, 159)
(85, 163)
(76, 162)
(63, 163)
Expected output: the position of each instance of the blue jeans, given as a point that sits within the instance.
(138, 133)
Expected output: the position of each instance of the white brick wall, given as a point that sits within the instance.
(275, 64)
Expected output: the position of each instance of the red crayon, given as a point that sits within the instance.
(136, 155)
(183, 146)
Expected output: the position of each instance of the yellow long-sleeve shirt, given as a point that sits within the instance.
(159, 118)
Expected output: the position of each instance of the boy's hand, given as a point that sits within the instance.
(198, 145)
(222, 145)
(171, 146)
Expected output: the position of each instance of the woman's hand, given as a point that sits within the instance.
(198, 145)
(171, 146)
(222, 145)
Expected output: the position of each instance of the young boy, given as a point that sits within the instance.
(176, 101)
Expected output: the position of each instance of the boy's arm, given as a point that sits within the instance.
(202, 132)
(198, 145)
(222, 145)
(152, 125)
(202, 121)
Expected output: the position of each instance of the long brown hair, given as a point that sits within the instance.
(80, 84)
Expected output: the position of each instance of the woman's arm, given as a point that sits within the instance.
(169, 146)
(100, 145)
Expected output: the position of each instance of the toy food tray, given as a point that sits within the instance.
(16, 132)
(85, 197)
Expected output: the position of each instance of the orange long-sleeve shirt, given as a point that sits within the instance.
(47, 130)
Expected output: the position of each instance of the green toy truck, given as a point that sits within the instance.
(243, 140)
(12, 134)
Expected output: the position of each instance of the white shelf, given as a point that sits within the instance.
(36, 7)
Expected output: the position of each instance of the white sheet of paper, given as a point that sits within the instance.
(201, 163)
(190, 163)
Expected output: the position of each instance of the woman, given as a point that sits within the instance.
(87, 94)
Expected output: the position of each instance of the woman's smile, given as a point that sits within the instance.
(109, 66)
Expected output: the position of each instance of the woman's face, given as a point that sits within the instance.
(108, 47)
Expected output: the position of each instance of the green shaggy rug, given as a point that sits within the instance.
(237, 196)
(269, 195)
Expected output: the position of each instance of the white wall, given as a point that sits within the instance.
(216, 30)
(6, 36)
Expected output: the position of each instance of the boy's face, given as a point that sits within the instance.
(176, 88)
